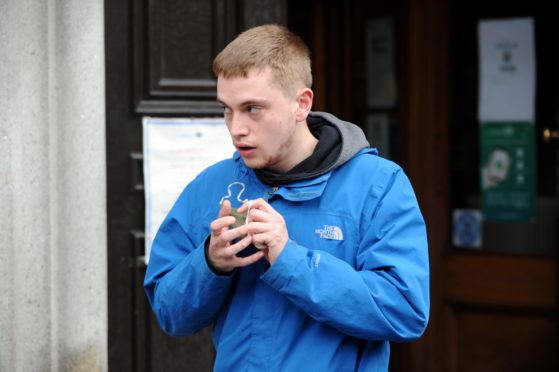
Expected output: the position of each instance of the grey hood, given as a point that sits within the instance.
(352, 136)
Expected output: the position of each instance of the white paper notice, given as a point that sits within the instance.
(175, 152)
(507, 70)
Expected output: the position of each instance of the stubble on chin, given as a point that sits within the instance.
(265, 163)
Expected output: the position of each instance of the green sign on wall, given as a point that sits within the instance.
(508, 171)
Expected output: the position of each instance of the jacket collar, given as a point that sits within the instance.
(304, 190)
(297, 191)
(300, 190)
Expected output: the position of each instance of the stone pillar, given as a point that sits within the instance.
(53, 266)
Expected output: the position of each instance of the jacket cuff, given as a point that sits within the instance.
(285, 266)
(214, 269)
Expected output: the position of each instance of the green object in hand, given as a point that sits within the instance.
(240, 218)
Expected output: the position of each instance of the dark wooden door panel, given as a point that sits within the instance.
(174, 44)
(501, 281)
(489, 340)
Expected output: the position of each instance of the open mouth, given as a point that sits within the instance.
(245, 150)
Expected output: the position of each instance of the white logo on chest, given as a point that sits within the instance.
(330, 232)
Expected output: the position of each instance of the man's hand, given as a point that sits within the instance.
(267, 228)
(222, 252)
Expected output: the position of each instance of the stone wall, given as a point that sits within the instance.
(53, 267)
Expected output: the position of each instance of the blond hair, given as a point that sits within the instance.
(267, 46)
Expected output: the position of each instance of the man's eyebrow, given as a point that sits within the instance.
(252, 102)
(249, 102)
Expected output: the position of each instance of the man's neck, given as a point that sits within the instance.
(305, 143)
(308, 141)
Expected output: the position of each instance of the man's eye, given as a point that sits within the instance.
(226, 110)
(253, 109)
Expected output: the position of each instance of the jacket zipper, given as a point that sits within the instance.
(272, 191)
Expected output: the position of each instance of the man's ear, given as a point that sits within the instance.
(304, 103)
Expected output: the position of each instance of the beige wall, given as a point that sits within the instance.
(53, 270)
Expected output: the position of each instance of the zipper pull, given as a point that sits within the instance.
(273, 191)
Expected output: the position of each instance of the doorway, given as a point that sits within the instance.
(500, 297)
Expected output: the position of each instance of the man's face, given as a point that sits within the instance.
(261, 120)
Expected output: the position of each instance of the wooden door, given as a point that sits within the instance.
(500, 310)
(493, 308)
(158, 63)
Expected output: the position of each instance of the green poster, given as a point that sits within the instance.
(508, 171)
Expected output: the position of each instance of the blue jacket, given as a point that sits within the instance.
(353, 276)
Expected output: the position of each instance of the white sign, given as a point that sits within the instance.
(175, 152)
(507, 70)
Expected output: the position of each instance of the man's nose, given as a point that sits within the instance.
(237, 126)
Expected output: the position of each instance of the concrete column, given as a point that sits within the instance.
(53, 270)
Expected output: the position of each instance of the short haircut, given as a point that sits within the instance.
(267, 46)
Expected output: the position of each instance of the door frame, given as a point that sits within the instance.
(426, 152)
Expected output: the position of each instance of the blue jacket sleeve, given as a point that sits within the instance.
(184, 293)
(386, 295)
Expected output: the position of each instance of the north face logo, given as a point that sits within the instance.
(330, 232)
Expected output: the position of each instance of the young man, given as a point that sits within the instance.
(330, 263)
